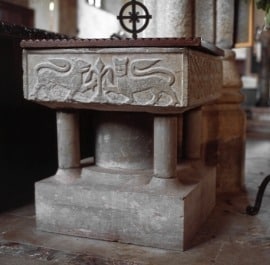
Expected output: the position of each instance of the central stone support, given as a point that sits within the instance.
(124, 140)
(146, 183)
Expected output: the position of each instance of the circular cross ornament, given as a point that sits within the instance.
(134, 17)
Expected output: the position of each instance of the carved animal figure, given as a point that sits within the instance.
(143, 77)
(62, 74)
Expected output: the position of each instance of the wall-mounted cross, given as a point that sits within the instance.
(134, 17)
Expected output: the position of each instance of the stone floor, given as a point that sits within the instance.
(229, 237)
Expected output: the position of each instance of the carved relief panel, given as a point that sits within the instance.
(120, 78)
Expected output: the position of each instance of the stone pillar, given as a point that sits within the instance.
(205, 19)
(68, 143)
(231, 117)
(232, 128)
(172, 18)
(165, 146)
(193, 134)
(224, 23)
(210, 130)
(207, 12)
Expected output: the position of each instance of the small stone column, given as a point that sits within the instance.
(165, 146)
(68, 143)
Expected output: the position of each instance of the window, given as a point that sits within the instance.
(95, 3)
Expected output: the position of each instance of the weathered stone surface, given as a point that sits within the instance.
(231, 148)
(144, 211)
(136, 79)
(172, 18)
(210, 134)
(165, 142)
(231, 79)
(205, 19)
(193, 134)
(124, 140)
(230, 129)
(225, 23)
(68, 140)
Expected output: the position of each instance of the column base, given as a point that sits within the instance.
(67, 176)
(129, 207)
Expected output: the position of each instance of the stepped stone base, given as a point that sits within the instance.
(130, 207)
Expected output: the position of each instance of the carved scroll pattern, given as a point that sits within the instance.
(205, 77)
(138, 82)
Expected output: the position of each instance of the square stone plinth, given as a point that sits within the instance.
(129, 207)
